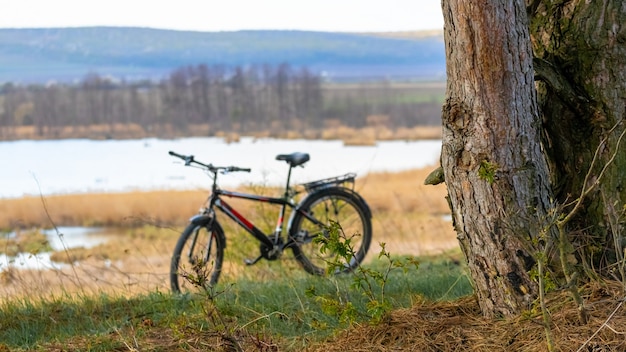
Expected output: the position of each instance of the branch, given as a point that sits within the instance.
(606, 322)
(586, 190)
(436, 177)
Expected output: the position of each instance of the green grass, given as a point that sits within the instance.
(280, 309)
(284, 308)
(32, 241)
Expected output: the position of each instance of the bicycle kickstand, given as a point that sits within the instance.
(252, 261)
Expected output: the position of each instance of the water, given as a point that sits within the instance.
(66, 238)
(80, 166)
(72, 237)
(39, 261)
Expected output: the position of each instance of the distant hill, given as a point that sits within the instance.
(68, 54)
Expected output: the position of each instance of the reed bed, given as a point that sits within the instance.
(388, 194)
(100, 209)
(350, 135)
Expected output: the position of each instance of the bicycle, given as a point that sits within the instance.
(199, 253)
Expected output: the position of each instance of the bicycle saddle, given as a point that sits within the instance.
(294, 159)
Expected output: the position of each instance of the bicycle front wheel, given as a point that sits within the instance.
(317, 215)
(197, 260)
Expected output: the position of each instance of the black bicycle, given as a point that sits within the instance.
(199, 254)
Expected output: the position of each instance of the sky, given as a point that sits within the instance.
(227, 15)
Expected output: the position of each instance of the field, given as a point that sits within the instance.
(115, 296)
(143, 227)
(408, 216)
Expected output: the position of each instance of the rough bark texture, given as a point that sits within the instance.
(496, 174)
(581, 70)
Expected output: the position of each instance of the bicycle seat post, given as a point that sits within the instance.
(288, 181)
(293, 159)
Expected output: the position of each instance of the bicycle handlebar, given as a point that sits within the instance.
(236, 169)
(189, 159)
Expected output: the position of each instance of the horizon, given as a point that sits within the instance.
(425, 31)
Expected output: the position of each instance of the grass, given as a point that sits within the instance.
(84, 323)
(24, 242)
(268, 304)
(277, 308)
(368, 134)
(115, 296)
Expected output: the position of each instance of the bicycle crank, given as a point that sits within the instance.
(269, 253)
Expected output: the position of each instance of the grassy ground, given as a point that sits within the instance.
(115, 296)
(248, 313)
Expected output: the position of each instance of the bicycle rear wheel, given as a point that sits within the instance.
(323, 208)
(198, 256)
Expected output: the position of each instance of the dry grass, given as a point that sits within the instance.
(100, 209)
(144, 227)
(367, 135)
(409, 217)
(24, 242)
(133, 261)
(459, 326)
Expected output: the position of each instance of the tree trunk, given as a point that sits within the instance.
(581, 67)
(496, 174)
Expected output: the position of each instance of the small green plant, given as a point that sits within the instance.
(487, 171)
(225, 329)
(369, 282)
(31, 242)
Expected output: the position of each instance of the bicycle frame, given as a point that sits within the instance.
(219, 203)
(275, 244)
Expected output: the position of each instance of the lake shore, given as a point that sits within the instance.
(367, 135)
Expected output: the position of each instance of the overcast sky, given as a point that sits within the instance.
(227, 15)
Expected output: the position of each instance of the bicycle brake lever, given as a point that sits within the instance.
(188, 160)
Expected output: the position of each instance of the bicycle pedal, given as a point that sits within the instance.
(252, 261)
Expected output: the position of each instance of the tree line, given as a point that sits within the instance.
(240, 99)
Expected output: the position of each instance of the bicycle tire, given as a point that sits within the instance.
(188, 273)
(349, 211)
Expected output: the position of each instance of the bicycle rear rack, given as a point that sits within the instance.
(331, 181)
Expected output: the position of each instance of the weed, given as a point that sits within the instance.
(367, 281)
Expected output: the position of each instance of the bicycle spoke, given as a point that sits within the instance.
(200, 266)
(340, 210)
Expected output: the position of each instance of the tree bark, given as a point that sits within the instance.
(496, 174)
(581, 70)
